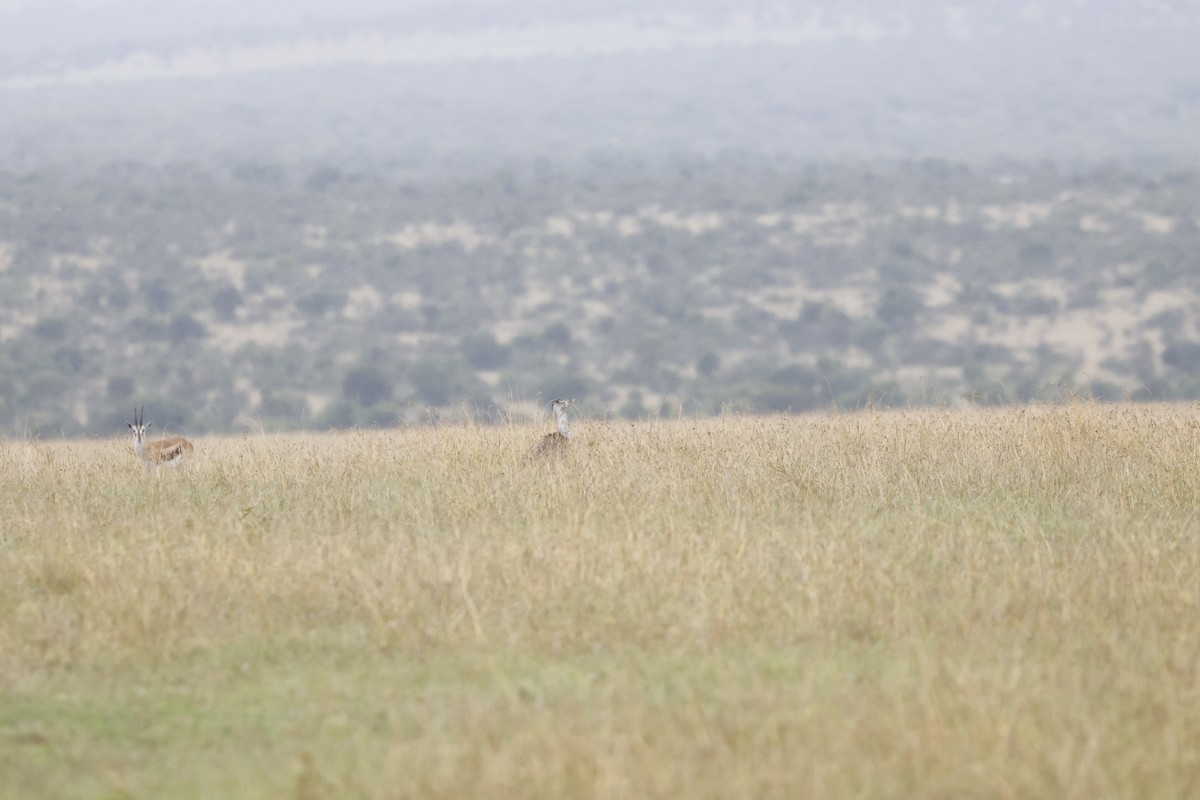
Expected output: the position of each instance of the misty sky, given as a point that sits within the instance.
(870, 79)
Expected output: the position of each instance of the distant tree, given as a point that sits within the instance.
(45, 388)
(753, 320)
(635, 407)
(366, 385)
(117, 295)
(339, 414)
(258, 172)
(789, 388)
(557, 334)
(158, 295)
(120, 387)
(432, 382)
(50, 329)
(184, 327)
(226, 302)
(899, 307)
(483, 351)
(391, 319)
(70, 360)
(649, 350)
(818, 326)
(169, 414)
(317, 304)
(322, 178)
(870, 335)
(147, 330)
(431, 314)
(1170, 322)
(1106, 391)
(1032, 305)
(284, 405)
(1035, 256)
(1183, 356)
(708, 364)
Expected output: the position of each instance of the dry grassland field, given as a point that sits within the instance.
(941, 603)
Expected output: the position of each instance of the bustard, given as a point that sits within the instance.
(164, 452)
(556, 443)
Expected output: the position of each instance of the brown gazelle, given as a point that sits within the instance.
(164, 452)
(556, 443)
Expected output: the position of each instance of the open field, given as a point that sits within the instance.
(879, 604)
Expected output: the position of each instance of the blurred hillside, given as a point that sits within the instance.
(257, 293)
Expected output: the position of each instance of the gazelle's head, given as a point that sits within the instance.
(560, 411)
(138, 426)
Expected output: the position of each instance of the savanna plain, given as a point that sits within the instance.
(882, 603)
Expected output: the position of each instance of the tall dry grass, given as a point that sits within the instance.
(891, 604)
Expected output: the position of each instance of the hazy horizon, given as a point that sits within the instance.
(86, 82)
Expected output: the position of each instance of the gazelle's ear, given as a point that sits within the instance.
(147, 425)
(130, 424)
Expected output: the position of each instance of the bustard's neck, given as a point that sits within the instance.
(564, 427)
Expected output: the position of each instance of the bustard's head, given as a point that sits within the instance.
(138, 426)
(560, 411)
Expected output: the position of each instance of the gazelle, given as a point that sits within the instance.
(165, 452)
(556, 443)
